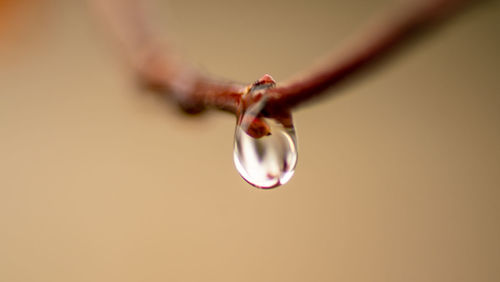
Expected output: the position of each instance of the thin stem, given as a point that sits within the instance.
(375, 42)
(194, 91)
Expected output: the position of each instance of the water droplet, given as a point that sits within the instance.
(265, 147)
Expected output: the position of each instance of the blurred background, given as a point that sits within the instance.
(398, 176)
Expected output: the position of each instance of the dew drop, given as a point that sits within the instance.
(265, 147)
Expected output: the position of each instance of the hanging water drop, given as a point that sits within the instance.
(265, 146)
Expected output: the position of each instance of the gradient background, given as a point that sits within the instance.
(398, 176)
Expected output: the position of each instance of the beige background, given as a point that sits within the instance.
(398, 176)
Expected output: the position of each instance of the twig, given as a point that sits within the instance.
(375, 42)
(194, 91)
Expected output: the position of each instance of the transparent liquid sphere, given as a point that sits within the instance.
(267, 161)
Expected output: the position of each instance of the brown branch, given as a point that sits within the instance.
(164, 72)
(384, 34)
(160, 69)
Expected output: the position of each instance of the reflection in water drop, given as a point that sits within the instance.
(265, 148)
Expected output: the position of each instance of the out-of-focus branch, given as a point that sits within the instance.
(162, 70)
(131, 23)
(376, 41)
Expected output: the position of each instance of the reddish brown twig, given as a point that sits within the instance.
(376, 41)
(158, 67)
(194, 91)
